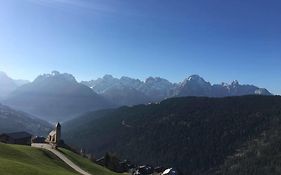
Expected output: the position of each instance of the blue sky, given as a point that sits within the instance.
(221, 40)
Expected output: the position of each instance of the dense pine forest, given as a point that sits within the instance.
(198, 135)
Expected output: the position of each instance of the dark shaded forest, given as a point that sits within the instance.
(198, 135)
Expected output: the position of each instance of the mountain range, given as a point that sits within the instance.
(7, 84)
(129, 91)
(55, 97)
(59, 97)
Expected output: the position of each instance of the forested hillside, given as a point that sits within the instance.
(258, 156)
(194, 134)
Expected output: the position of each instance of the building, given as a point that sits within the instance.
(144, 170)
(38, 139)
(55, 135)
(171, 171)
(21, 138)
(159, 169)
(101, 161)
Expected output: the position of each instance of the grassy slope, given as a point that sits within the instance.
(24, 160)
(86, 164)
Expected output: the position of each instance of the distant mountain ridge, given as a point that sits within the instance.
(7, 84)
(197, 86)
(133, 91)
(55, 97)
(12, 120)
(59, 97)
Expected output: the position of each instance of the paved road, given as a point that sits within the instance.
(61, 156)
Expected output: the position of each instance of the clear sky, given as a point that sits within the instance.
(221, 40)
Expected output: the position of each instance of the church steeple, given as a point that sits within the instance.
(58, 132)
(58, 125)
(55, 135)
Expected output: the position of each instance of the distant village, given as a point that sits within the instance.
(109, 161)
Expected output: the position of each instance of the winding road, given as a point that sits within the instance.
(61, 156)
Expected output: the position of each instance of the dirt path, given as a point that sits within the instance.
(61, 156)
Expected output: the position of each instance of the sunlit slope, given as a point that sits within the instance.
(25, 160)
(86, 164)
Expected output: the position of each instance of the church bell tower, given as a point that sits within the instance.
(58, 132)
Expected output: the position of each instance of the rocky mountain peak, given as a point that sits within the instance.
(195, 79)
(108, 77)
(156, 80)
(235, 83)
(56, 75)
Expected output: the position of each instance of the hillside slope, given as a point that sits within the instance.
(195, 134)
(258, 156)
(12, 120)
(86, 164)
(25, 160)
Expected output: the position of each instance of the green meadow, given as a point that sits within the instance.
(25, 160)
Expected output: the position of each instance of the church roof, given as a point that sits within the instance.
(52, 133)
(58, 125)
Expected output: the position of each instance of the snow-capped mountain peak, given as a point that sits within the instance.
(195, 80)
(156, 89)
(195, 77)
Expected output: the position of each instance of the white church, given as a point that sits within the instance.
(54, 135)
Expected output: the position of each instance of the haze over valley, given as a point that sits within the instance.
(59, 96)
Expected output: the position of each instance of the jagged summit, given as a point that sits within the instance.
(56, 96)
(235, 83)
(156, 80)
(195, 77)
(155, 89)
(61, 92)
(108, 77)
(56, 75)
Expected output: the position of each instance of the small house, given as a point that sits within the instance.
(101, 161)
(21, 138)
(159, 169)
(144, 170)
(38, 139)
(171, 171)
